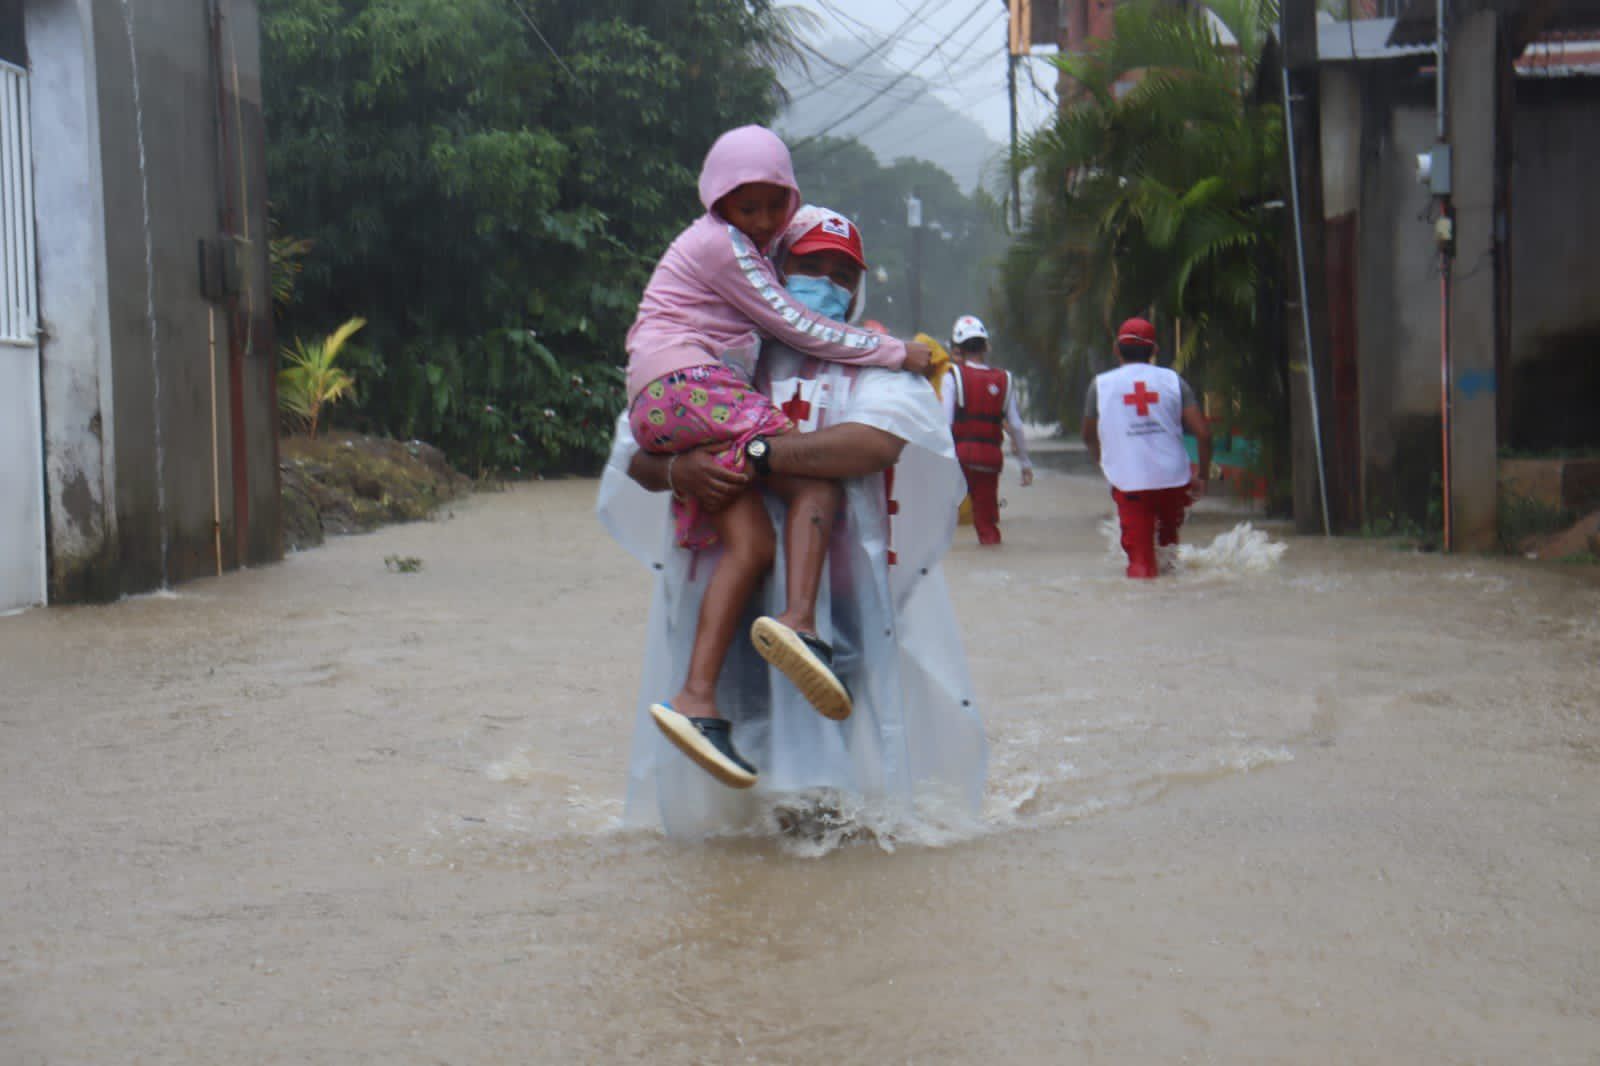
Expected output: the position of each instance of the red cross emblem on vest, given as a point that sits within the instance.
(1141, 398)
(797, 408)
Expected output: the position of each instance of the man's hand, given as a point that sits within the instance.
(698, 474)
(1197, 488)
(1027, 476)
(919, 357)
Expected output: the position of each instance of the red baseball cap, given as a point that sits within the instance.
(1137, 331)
(834, 233)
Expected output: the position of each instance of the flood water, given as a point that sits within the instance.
(1341, 807)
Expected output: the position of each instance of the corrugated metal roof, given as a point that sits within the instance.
(1362, 40)
(1561, 55)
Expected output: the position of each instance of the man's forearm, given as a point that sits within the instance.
(1203, 453)
(1019, 444)
(650, 471)
(847, 450)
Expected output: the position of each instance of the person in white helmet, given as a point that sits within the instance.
(980, 403)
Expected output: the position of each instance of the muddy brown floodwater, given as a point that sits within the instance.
(1342, 810)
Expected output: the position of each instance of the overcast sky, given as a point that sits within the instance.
(959, 46)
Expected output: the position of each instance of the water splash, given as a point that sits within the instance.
(817, 823)
(1241, 550)
(1238, 552)
(149, 290)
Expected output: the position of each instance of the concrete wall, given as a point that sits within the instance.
(79, 417)
(1553, 391)
(1474, 87)
(140, 182)
(1398, 297)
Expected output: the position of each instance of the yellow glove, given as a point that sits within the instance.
(938, 364)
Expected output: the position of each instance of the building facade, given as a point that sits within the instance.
(139, 366)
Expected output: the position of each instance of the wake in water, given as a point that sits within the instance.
(1238, 552)
(814, 824)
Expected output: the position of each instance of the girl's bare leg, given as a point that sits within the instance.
(813, 508)
(749, 545)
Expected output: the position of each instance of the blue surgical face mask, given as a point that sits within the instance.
(821, 295)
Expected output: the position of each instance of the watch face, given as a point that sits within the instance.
(757, 449)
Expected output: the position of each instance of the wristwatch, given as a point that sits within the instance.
(758, 450)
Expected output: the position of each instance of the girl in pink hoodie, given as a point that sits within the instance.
(692, 352)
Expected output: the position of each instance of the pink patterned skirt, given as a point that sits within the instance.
(695, 407)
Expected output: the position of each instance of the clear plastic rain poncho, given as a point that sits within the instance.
(914, 749)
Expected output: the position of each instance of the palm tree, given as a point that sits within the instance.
(780, 37)
(312, 378)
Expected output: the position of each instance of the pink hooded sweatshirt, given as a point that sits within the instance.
(715, 296)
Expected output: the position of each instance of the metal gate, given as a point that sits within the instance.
(22, 538)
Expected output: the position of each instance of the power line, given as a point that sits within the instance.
(562, 63)
(953, 77)
(1033, 79)
(882, 85)
(984, 98)
(842, 17)
(845, 19)
(883, 88)
(942, 42)
(872, 51)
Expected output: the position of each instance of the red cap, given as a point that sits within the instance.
(834, 233)
(1137, 331)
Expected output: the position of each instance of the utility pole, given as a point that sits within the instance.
(914, 221)
(1016, 180)
(1019, 41)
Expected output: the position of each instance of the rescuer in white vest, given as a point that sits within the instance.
(1134, 418)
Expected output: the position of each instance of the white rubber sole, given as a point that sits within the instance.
(783, 648)
(686, 738)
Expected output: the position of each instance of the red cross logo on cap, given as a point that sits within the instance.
(1141, 398)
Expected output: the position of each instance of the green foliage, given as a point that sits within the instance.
(1154, 194)
(503, 402)
(286, 256)
(312, 378)
(463, 186)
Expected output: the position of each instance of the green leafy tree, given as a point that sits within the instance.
(1155, 192)
(490, 182)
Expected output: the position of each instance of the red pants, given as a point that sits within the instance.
(1148, 517)
(984, 488)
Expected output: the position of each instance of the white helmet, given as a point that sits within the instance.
(966, 328)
